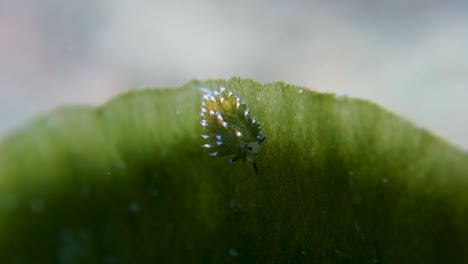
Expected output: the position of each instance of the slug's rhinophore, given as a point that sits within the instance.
(232, 131)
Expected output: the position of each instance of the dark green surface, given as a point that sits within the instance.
(340, 180)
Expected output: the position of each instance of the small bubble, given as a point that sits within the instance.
(233, 203)
(385, 180)
(232, 252)
(133, 207)
(36, 205)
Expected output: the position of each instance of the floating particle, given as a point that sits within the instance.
(233, 203)
(232, 252)
(133, 207)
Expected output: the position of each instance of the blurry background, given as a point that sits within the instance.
(409, 56)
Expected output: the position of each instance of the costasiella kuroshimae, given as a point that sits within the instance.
(231, 129)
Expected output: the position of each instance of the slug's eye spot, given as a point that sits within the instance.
(231, 131)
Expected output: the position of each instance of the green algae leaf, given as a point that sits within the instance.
(340, 180)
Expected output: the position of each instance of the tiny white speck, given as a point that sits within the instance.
(253, 121)
(301, 90)
(246, 112)
(207, 146)
(214, 154)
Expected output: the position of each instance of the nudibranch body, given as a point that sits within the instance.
(231, 129)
